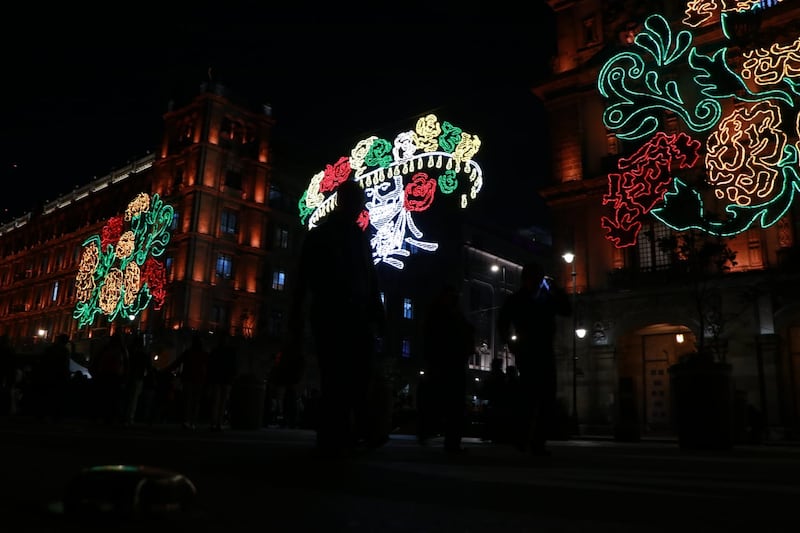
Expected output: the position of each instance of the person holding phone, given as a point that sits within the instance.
(530, 312)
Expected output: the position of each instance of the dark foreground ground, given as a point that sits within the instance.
(271, 480)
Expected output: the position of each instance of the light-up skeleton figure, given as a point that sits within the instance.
(398, 180)
(391, 222)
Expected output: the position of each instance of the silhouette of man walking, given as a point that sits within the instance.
(345, 314)
(530, 312)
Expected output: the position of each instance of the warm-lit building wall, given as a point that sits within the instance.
(630, 305)
(213, 168)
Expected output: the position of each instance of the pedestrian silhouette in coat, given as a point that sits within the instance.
(336, 273)
(221, 372)
(51, 376)
(8, 376)
(140, 366)
(530, 312)
(193, 366)
(449, 341)
(496, 393)
(108, 369)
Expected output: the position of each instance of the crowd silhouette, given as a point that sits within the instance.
(118, 383)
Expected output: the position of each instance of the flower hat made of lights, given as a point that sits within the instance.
(736, 165)
(119, 273)
(399, 179)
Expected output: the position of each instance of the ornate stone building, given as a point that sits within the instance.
(647, 105)
(230, 243)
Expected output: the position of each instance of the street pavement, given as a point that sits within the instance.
(272, 480)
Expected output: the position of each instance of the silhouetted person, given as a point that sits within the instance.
(495, 391)
(336, 271)
(140, 365)
(108, 369)
(8, 376)
(289, 407)
(448, 344)
(163, 384)
(221, 372)
(193, 365)
(530, 313)
(51, 376)
(311, 409)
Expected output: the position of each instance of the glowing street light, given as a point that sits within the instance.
(495, 268)
(569, 258)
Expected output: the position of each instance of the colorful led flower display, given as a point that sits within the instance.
(119, 273)
(743, 120)
(399, 179)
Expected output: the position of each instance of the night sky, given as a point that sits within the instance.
(86, 89)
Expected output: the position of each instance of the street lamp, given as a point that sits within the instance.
(569, 258)
(497, 268)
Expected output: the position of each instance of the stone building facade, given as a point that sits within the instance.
(633, 296)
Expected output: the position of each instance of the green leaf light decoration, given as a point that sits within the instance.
(746, 117)
(119, 273)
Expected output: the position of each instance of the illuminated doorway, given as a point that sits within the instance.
(645, 357)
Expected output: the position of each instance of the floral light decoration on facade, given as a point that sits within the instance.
(119, 273)
(399, 179)
(743, 120)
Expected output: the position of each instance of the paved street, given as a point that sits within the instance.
(270, 479)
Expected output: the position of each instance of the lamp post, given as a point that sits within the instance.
(569, 258)
(495, 268)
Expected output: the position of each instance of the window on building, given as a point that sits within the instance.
(275, 323)
(229, 222)
(176, 219)
(45, 262)
(219, 314)
(224, 266)
(281, 238)
(278, 280)
(589, 31)
(168, 267)
(408, 308)
(671, 125)
(481, 357)
(275, 196)
(648, 250)
(231, 130)
(383, 298)
(177, 178)
(233, 179)
(54, 294)
(612, 144)
(187, 130)
(406, 348)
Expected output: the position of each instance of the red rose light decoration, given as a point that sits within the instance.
(419, 193)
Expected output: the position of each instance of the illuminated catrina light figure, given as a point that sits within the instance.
(745, 117)
(119, 273)
(400, 179)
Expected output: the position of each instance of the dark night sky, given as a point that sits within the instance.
(85, 90)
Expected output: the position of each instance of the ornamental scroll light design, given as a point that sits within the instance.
(734, 165)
